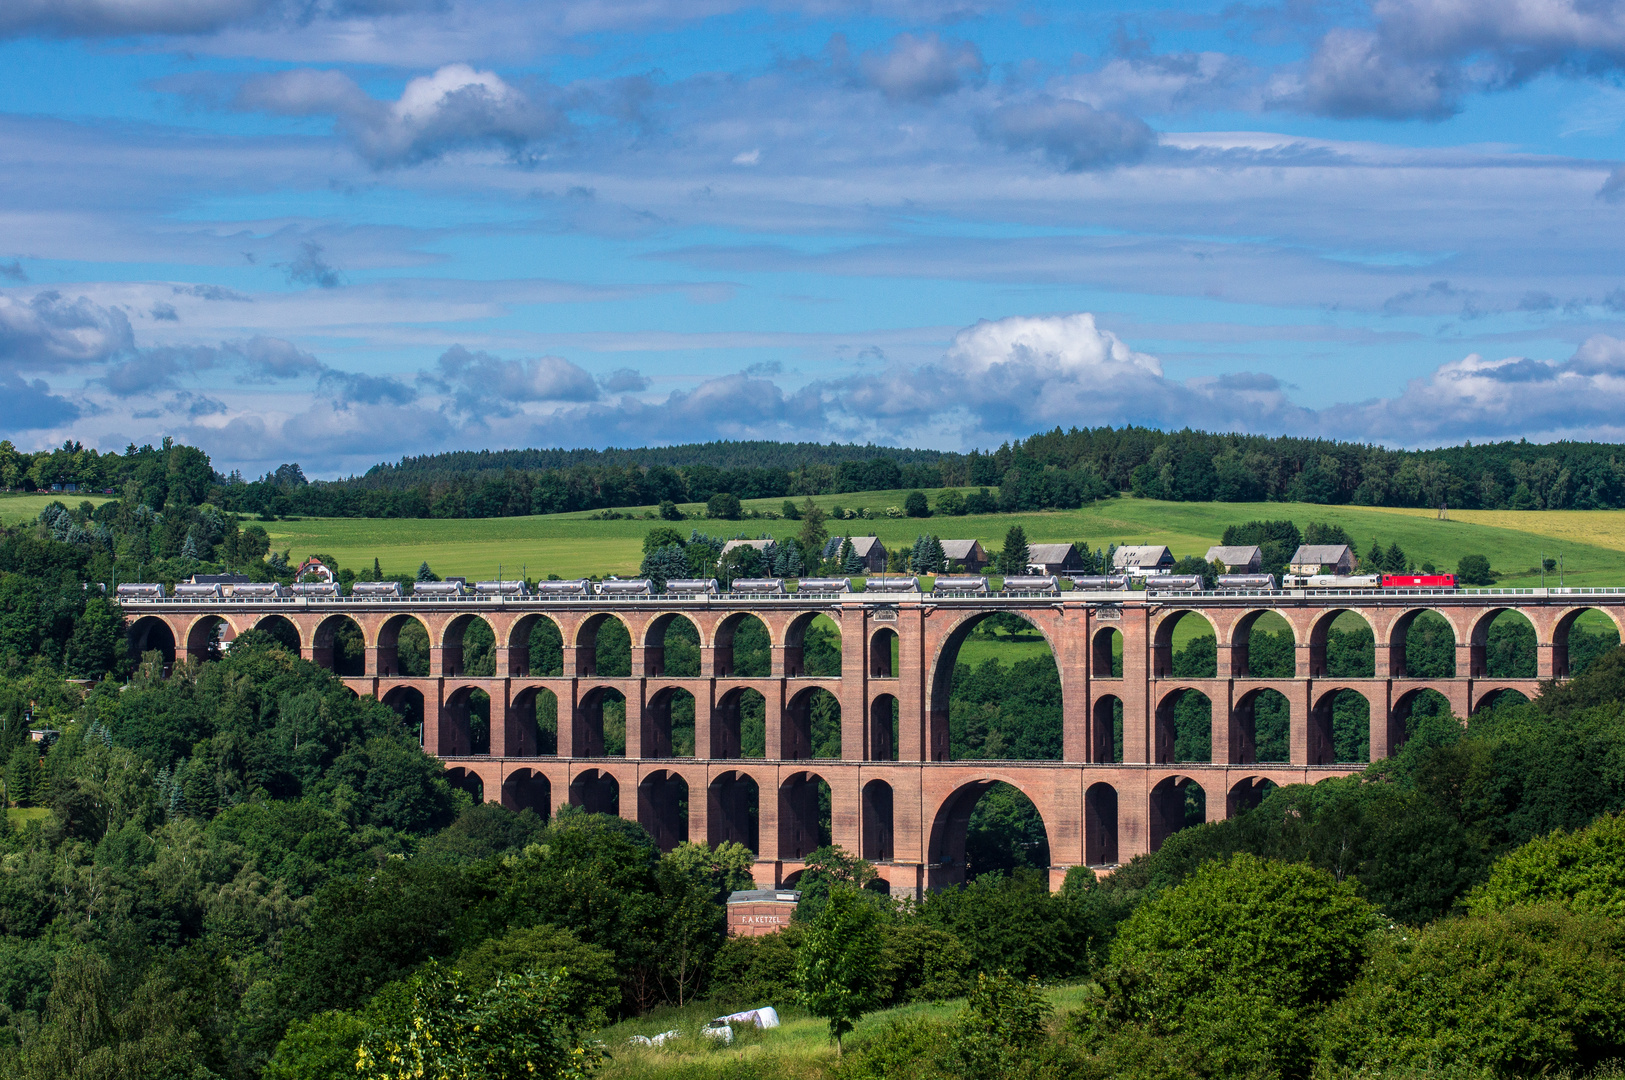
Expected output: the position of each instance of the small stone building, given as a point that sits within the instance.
(1323, 559)
(1237, 560)
(754, 912)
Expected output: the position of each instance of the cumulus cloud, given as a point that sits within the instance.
(50, 331)
(165, 312)
(1421, 56)
(274, 358)
(920, 68)
(456, 107)
(624, 381)
(355, 388)
(482, 383)
(29, 405)
(310, 267)
(1073, 134)
(13, 270)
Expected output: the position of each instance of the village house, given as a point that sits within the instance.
(1237, 560)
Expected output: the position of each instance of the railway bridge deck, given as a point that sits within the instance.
(894, 795)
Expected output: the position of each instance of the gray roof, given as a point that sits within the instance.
(1234, 556)
(757, 896)
(1321, 553)
(862, 545)
(1141, 555)
(961, 549)
(759, 545)
(1050, 553)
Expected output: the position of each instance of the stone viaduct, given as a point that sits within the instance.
(902, 803)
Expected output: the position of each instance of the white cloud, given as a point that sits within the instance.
(920, 68)
(50, 331)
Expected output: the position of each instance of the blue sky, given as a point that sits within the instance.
(341, 231)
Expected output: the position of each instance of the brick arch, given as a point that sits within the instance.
(1162, 638)
(879, 743)
(653, 641)
(1102, 818)
(1484, 691)
(1320, 748)
(585, 641)
(597, 791)
(1562, 623)
(200, 631)
(950, 821)
(528, 789)
(795, 731)
(878, 835)
(322, 639)
(663, 795)
(386, 639)
(516, 640)
(1162, 745)
(1166, 809)
(657, 720)
(1320, 626)
(1478, 638)
(1246, 793)
(297, 626)
(589, 719)
(722, 641)
(152, 633)
(795, 638)
(1399, 630)
(729, 798)
(942, 673)
(799, 832)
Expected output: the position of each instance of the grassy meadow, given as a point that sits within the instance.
(19, 508)
(1592, 543)
(801, 1047)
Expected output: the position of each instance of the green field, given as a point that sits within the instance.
(20, 816)
(800, 1047)
(1592, 543)
(16, 508)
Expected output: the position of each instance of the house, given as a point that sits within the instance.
(1138, 560)
(1323, 559)
(759, 545)
(1237, 560)
(1054, 559)
(869, 549)
(968, 555)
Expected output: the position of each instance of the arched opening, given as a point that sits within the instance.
(1106, 730)
(986, 827)
(883, 729)
(732, 811)
(877, 821)
(1262, 728)
(1184, 727)
(672, 648)
(152, 634)
(1185, 647)
(744, 650)
(596, 792)
(996, 693)
(208, 638)
(407, 701)
(601, 723)
(527, 789)
(812, 726)
(604, 648)
(340, 646)
(883, 658)
(1342, 646)
(403, 648)
(1100, 825)
(1176, 803)
(1579, 639)
(668, 724)
(1247, 793)
(1264, 647)
(469, 781)
(465, 723)
(1340, 729)
(1504, 646)
(739, 725)
(1106, 654)
(1413, 710)
(663, 808)
(1423, 647)
(281, 631)
(812, 648)
(1495, 699)
(533, 723)
(535, 648)
(804, 815)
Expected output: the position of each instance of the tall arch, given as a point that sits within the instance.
(340, 646)
(535, 648)
(733, 811)
(1504, 645)
(743, 648)
(1106, 730)
(467, 780)
(1342, 645)
(668, 724)
(596, 792)
(600, 727)
(1340, 727)
(603, 647)
(884, 721)
(403, 647)
(527, 789)
(1177, 802)
(739, 725)
(533, 729)
(208, 637)
(1263, 646)
(883, 653)
(407, 701)
(1180, 647)
(281, 630)
(811, 726)
(1422, 645)
(877, 821)
(1100, 825)
(465, 722)
(1579, 636)
(1261, 728)
(663, 808)
(1106, 653)
(671, 647)
(1184, 727)
(151, 634)
(813, 646)
(950, 830)
(804, 814)
(468, 648)
(1040, 741)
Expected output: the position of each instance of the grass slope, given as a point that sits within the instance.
(1592, 543)
(18, 508)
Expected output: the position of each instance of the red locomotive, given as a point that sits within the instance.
(1419, 581)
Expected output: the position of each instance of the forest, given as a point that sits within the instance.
(1056, 469)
